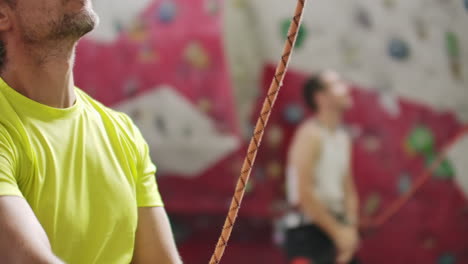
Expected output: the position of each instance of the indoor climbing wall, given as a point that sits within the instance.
(415, 49)
(409, 61)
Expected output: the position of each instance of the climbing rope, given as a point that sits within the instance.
(258, 133)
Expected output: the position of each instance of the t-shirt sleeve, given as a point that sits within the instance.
(147, 191)
(8, 182)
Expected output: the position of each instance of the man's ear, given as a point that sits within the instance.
(5, 21)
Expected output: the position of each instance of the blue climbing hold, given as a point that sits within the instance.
(399, 49)
(293, 114)
(404, 184)
(466, 5)
(167, 11)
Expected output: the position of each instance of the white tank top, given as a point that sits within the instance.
(329, 175)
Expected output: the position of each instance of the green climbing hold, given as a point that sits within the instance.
(302, 35)
(444, 172)
(452, 45)
(389, 3)
(421, 140)
(250, 187)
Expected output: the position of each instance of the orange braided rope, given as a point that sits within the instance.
(258, 133)
(421, 180)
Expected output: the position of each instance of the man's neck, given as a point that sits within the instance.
(43, 74)
(329, 119)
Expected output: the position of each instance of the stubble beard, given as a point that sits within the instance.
(74, 26)
(68, 28)
(60, 39)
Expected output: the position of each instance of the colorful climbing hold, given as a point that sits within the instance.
(389, 3)
(212, 6)
(239, 3)
(138, 31)
(444, 172)
(293, 113)
(452, 44)
(274, 170)
(453, 52)
(456, 69)
(147, 54)
(130, 87)
(363, 18)
(421, 140)
(167, 11)
(274, 136)
(350, 49)
(429, 243)
(118, 26)
(136, 115)
(250, 187)
(421, 28)
(160, 124)
(205, 105)
(399, 49)
(197, 56)
(404, 183)
(302, 35)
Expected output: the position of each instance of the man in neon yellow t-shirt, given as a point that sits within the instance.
(76, 180)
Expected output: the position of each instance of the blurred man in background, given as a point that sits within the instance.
(76, 180)
(323, 225)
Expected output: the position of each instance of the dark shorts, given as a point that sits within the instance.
(309, 244)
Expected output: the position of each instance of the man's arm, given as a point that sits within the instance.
(154, 239)
(351, 200)
(154, 242)
(22, 238)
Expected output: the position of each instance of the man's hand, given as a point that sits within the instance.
(346, 243)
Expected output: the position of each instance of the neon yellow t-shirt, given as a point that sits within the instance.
(84, 171)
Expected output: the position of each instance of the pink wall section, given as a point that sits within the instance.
(158, 49)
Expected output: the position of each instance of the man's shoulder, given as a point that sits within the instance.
(104, 111)
(309, 128)
(7, 142)
(11, 127)
(345, 133)
(114, 120)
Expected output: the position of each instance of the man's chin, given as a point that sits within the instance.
(93, 22)
(81, 23)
